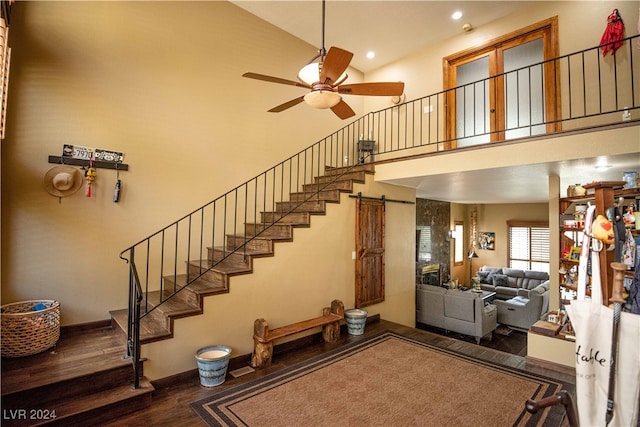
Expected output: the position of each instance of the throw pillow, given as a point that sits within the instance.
(490, 277)
(500, 280)
(483, 276)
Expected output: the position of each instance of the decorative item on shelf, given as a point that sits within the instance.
(579, 190)
(558, 317)
(629, 179)
(629, 218)
(628, 255)
(567, 331)
(475, 284)
(579, 215)
(576, 190)
(574, 254)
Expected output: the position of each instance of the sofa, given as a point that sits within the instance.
(522, 296)
(455, 310)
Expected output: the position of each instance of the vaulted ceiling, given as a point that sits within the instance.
(395, 29)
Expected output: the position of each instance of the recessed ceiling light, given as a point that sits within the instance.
(602, 164)
(371, 54)
(456, 15)
(602, 167)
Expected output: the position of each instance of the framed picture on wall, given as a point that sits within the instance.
(487, 240)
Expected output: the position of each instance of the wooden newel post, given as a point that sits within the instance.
(262, 346)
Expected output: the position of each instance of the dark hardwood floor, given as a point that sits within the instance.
(515, 343)
(172, 396)
(170, 405)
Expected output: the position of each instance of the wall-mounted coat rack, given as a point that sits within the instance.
(59, 160)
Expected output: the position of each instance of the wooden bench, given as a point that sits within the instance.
(263, 337)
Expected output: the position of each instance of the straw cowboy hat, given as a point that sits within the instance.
(62, 181)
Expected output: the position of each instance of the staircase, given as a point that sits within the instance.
(83, 380)
(275, 226)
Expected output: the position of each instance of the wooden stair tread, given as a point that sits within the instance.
(96, 406)
(328, 196)
(297, 218)
(231, 269)
(272, 231)
(172, 307)
(199, 286)
(68, 371)
(224, 266)
(150, 330)
(274, 238)
(345, 185)
(366, 167)
(310, 207)
(104, 349)
(245, 251)
(354, 176)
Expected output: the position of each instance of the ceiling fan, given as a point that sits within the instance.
(325, 79)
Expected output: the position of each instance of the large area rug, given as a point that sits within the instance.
(385, 380)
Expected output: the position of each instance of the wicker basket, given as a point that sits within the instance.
(26, 331)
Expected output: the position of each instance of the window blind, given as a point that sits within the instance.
(424, 245)
(529, 246)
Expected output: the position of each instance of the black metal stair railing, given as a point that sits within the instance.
(574, 91)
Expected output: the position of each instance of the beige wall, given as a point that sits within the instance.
(494, 218)
(581, 25)
(159, 81)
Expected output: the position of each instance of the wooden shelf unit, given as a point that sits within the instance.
(603, 195)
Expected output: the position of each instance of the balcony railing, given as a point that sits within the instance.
(579, 90)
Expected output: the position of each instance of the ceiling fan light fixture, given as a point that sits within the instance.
(310, 73)
(322, 99)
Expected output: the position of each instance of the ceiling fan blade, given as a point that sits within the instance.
(275, 80)
(335, 63)
(342, 110)
(375, 89)
(286, 105)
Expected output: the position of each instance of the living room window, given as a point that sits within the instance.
(528, 245)
(458, 247)
(424, 243)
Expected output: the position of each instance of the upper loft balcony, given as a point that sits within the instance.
(570, 99)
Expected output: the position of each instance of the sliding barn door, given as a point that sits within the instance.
(369, 252)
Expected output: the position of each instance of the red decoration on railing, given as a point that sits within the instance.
(613, 33)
